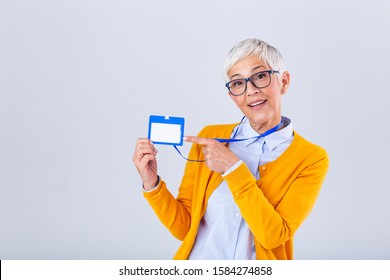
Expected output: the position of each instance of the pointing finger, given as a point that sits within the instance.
(198, 140)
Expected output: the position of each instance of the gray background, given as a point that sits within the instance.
(78, 80)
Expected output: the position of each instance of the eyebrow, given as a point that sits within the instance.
(254, 68)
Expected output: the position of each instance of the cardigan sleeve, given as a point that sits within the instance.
(175, 213)
(273, 225)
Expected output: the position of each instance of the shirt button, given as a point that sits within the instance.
(263, 168)
(237, 215)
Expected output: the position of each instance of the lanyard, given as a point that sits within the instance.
(232, 139)
(268, 132)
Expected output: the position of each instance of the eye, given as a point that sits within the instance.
(236, 83)
(259, 76)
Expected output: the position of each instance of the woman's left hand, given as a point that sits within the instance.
(218, 157)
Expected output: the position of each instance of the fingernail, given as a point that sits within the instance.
(185, 138)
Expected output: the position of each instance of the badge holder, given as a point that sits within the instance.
(166, 130)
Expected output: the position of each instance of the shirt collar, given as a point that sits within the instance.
(272, 140)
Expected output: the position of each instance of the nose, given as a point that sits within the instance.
(250, 88)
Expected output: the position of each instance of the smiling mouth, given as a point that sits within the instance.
(254, 104)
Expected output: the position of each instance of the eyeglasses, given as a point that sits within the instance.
(259, 80)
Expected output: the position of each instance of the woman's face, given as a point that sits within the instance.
(262, 107)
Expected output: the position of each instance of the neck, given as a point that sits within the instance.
(263, 127)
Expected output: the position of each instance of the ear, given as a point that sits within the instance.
(285, 82)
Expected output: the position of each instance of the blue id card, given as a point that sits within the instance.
(166, 130)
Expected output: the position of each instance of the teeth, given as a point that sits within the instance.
(257, 103)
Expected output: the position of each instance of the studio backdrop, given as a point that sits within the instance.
(79, 80)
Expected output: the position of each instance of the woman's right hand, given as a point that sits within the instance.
(144, 159)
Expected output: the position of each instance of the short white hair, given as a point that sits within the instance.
(257, 48)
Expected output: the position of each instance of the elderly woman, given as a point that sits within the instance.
(245, 199)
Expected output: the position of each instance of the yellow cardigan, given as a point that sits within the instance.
(273, 207)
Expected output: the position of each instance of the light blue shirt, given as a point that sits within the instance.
(223, 234)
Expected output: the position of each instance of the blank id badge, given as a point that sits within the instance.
(166, 130)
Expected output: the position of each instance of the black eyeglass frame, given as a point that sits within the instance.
(250, 80)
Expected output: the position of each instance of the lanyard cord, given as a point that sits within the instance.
(224, 140)
(192, 160)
